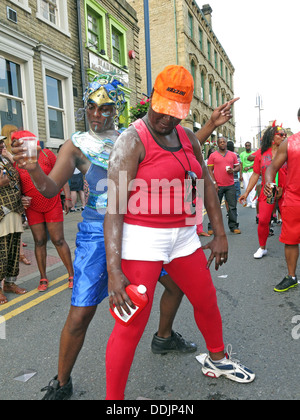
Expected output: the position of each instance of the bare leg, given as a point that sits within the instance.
(40, 245)
(72, 339)
(56, 233)
(169, 304)
(291, 257)
(74, 199)
(82, 198)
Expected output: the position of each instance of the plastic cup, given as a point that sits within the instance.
(227, 168)
(31, 145)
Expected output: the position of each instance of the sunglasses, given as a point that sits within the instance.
(191, 176)
(281, 134)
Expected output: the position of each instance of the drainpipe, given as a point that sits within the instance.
(82, 73)
(176, 39)
(147, 47)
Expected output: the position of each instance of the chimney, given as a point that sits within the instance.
(207, 11)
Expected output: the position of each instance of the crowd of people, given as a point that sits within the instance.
(132, 229)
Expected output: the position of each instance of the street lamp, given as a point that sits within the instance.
(259, 106)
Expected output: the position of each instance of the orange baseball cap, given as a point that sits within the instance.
(173, 92)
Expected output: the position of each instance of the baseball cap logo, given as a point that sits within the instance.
(177, 91)
(173, 92)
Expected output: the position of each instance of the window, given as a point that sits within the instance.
(193, 73)
(49, 10)
(57, 72)
(54, 13)
(118, 43)
(95, 29)
(11, 97)
(55, 108)
(190, 17)
(210, 93)
(201, 39)
(202, 86)
(216, 60)
(208, 50)
(217, 97)
(23, 4)
(221, 67)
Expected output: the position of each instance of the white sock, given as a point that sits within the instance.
(218, 361)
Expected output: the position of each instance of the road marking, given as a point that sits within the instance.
(34, 302)
(29, 294)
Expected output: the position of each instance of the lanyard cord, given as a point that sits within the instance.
(151, 132)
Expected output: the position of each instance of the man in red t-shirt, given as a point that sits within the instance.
(221, 166)
(289, 150)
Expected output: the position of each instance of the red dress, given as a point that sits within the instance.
(41, 205)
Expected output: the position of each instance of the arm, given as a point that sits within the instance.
(251, 158)
(4, 180)
(50, 186)
(210, 169)
(236, 168)
(220, 116)
(279, 159)
(126, 156)
(68, 201)
(241, 171)
(252, 182)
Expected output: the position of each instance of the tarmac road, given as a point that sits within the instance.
(262, 326)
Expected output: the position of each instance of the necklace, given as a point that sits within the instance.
(168, 148)
(189, 174)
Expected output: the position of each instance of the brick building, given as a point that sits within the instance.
(181, 33)
(111, 44)
(48, 51)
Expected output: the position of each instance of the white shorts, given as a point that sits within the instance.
(156, 244)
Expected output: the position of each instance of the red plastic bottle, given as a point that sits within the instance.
(139, 297)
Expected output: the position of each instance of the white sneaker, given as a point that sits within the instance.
(230, 368)
(260, 253)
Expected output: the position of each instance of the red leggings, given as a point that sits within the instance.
(265, 213)
(194, 279)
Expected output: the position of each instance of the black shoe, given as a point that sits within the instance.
(175, 343)
(287, 283)
(57, 392)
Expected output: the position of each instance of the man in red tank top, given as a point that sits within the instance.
(140, 241)
(289, 151)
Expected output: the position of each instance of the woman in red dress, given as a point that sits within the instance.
(270, 142)
(45, 213)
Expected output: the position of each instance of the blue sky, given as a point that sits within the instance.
(268, 33)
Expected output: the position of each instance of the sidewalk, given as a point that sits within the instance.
(28, 272)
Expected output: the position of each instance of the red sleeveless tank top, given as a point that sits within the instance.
(292, 190)
(157, 194)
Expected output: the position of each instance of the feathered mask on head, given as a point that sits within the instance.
(105, 89)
